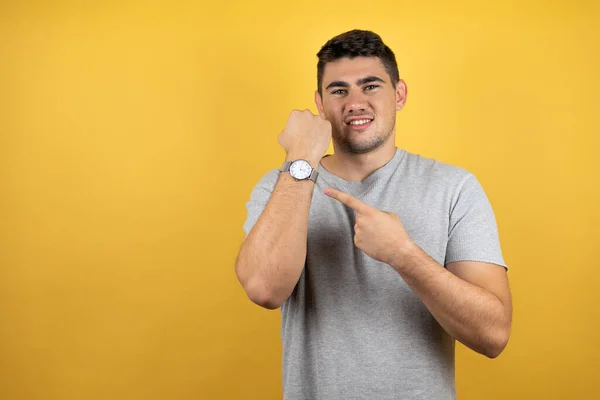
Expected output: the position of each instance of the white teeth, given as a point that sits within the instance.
(360, 122)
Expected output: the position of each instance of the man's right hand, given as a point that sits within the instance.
(273, 255)
(306, 136)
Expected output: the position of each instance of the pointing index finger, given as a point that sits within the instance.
(346, 199)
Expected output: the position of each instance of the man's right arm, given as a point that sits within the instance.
(273, 255)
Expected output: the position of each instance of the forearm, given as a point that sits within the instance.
(272, 257)
(472, 315)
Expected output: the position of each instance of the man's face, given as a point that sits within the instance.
(360, 102)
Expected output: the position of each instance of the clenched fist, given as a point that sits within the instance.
(305, 136)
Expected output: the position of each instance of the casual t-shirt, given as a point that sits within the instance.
(352, 328)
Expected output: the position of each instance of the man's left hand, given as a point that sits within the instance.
(379, 234)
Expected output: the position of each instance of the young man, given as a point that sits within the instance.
(378, 258)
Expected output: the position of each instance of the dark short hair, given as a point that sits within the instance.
(357, 43)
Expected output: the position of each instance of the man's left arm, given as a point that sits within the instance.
(470, 300)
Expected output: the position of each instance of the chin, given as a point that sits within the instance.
(363, 146)
(362, 142)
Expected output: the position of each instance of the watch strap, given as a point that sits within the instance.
(286, 166)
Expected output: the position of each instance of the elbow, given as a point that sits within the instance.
(265, 301)
(258, 291)
(261, 295)
(492, 352)
(497, 343)
(496, 336)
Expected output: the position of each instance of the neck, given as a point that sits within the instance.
(357, 167)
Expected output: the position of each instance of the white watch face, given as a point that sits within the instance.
(300, 169)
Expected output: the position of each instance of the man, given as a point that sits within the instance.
(378, 258)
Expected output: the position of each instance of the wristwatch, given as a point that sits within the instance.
(300, 170)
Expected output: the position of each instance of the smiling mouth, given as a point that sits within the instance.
(359, 122)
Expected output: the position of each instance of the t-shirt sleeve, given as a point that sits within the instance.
(473, 231)
(259, 197)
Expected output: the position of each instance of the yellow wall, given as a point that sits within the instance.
(130, 138)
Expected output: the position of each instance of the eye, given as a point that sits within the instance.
(371, 87)
(338, 92)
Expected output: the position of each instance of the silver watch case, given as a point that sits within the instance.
(300, 170)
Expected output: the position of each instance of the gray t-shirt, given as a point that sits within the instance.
(352, 328)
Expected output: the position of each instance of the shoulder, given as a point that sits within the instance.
(261, 192)
(269, 179)
(435, 171)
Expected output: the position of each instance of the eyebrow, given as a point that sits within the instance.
(359, 82)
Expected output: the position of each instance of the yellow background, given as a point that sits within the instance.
(131, 135)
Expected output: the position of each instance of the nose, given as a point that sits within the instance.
(356, 102)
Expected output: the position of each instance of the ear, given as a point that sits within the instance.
(401, 93)
(319, 103)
